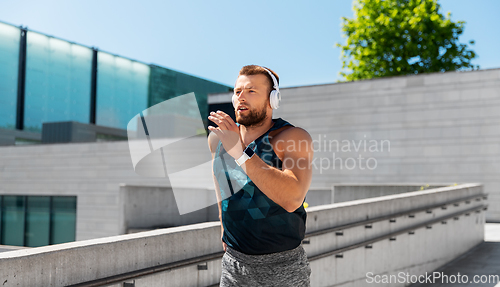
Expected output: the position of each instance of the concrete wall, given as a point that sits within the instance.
(424, 251)
(429, 128)
(91, 171)
(346, 192)
(111, 198)
(94, 172)
(149, 207)
(442, 127)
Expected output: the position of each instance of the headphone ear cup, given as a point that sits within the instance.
(274, 99)
(278, 98)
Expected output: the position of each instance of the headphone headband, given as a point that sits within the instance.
(275, 86)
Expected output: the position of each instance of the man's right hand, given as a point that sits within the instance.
(224, 245)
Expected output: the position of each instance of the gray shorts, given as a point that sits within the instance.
(287, 268)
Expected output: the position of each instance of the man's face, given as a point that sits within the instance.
(252, 99)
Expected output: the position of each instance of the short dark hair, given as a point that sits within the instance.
(250, 70)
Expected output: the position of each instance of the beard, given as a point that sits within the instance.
(253, 117)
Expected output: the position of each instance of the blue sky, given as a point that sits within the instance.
(214, 39)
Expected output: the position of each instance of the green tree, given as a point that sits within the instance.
(401, 37)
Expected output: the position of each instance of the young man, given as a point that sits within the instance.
(262, 172)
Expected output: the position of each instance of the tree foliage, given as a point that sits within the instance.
(401, 37)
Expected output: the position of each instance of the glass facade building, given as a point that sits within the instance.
(9, 63)
(165, 84)
(122, 90)
(57, 81)
(34, 221)
(46, 79)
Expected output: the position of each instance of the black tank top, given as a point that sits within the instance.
(253, 223)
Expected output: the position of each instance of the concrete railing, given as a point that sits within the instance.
(411, 232)
(414, 232)
(101, 259)
(152, 207)
(147, 207)
(341, 192)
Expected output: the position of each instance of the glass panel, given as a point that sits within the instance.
(13, 220)
(166, 84)
(9, 64)
(38, 221)
(63, 219)
(1, 216)
(122, 90)
(201, 88)
(57, 81)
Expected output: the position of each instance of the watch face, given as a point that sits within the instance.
(249, 152)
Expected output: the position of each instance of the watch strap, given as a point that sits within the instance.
(247, 154)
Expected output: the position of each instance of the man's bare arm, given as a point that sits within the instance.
(212, 144)
(286, 187)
